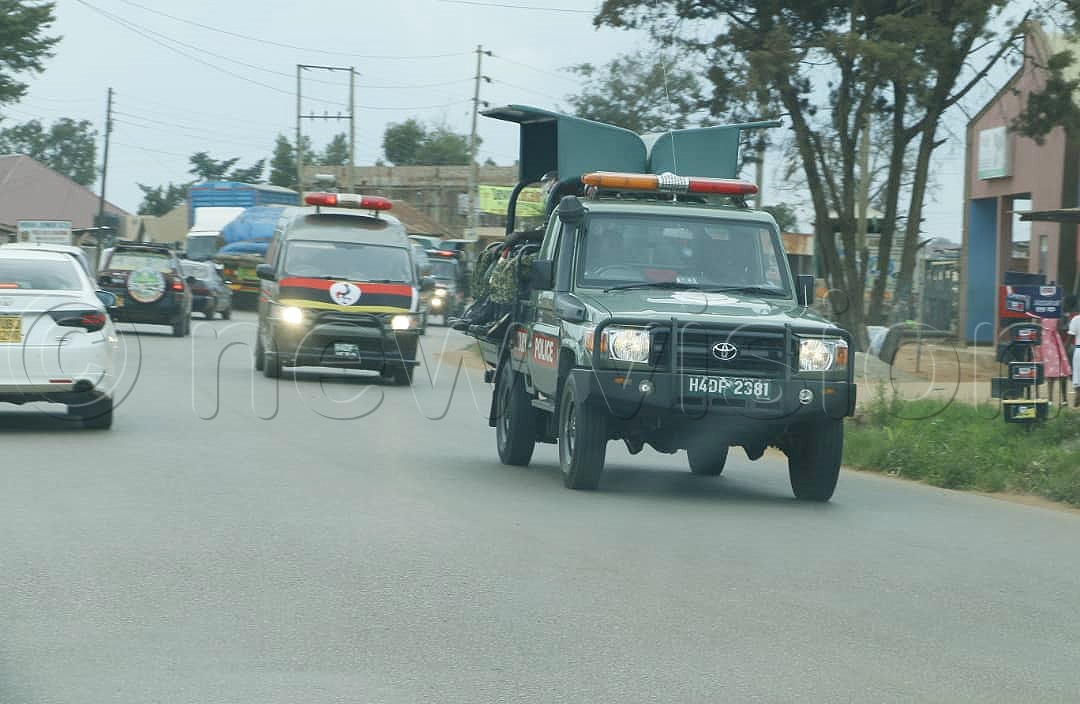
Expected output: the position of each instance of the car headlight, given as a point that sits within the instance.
(291, 315)
(822, 355)
(402, 322)
(627, 344)
(436, 302)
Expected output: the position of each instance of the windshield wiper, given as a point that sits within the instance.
(760, 290)
(651, 284)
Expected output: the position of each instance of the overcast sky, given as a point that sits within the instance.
(181, 88)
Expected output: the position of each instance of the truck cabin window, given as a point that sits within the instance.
(706, 254)
(444, 270)
(202, 247)
(348, 262)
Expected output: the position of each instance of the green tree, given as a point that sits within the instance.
(206, 168)
(842, 72)
(67, 146)
(645, 91)
(23, 44)
(336, 152)
(283, 161)
(160, 200)
(444, 147)
(402, 142)
(784, 215)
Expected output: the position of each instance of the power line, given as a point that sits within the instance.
(534, 68)
(519, 7)
(289, 46)
(124, 23)
(527, 90)
(204, 137)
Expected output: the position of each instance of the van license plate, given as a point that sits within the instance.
(729, 387)
(346, 351)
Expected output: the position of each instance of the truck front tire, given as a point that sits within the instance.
(515, 419)
(814, 460)
(582, 440)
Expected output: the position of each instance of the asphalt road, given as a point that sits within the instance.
(339, 540)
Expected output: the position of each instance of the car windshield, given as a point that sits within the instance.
(442, 269)
(348, 261)
(202, 247)
(130, 261)
(200, 271)
(624, 251)
(38, 274)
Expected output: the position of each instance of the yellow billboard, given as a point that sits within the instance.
(495, 199)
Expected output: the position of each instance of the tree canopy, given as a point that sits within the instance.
(24, 45)
(411, 143)
(67, 146)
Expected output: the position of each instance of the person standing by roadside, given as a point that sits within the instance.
(1055, 360)
(1074, 343)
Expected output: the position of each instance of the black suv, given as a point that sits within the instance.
(149, 285)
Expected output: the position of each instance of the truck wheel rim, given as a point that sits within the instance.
(504, 413)
(569, 429)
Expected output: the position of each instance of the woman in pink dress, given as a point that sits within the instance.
(1051, 352)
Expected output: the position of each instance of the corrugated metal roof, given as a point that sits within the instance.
(29, 190)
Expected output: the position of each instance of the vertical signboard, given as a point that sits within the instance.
(994, 153)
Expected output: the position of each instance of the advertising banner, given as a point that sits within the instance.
(45, 231)
(1024, 301)
(495, 199)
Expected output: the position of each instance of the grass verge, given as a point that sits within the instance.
(959, 446)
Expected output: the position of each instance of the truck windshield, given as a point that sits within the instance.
(348, 261)
(444, 270)
(201, 248)
(631, 251)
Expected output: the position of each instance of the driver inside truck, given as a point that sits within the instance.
(603, 248)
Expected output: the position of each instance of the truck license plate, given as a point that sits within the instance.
(729, 387)
(346, 351)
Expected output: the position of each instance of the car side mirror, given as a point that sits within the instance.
(107, 299)
(804, 289)
(427, 283)
(191, 280)
(265, 272)
(542, 275)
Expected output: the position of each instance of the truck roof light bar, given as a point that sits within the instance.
(668, 183)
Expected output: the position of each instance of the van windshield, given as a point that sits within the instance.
(348, 261)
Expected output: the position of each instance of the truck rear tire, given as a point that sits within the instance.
(707, 460)
(582, 440)
(814, 460)
(515, 419)
(260, 353)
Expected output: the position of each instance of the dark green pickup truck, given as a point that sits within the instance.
(661, 310)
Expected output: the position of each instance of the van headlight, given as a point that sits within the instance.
(822, 354)
(290, 315)
(627, 344)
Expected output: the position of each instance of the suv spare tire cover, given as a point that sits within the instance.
(146, 285)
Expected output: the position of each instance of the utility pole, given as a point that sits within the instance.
(104, 174)
(759, 176)
(473, 196)
(352, 129)
(299, 149)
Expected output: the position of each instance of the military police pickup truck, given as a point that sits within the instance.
(660, 310)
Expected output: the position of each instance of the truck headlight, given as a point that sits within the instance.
(822, 355)
(440, 292)
(628, 344)
(402, 322)
(436, 302)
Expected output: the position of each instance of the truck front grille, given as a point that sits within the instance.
(757, 353)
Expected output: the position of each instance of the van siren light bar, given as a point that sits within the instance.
(669, 183)
(348, 200)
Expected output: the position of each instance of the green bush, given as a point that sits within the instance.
(958, 446)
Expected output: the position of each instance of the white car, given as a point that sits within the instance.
(57, 342)
(77, 252)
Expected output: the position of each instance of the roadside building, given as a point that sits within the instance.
(29, 190)
(1009, 177)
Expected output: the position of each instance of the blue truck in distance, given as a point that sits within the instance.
(213, 204)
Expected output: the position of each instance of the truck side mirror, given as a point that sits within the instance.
(804, 289)
(265, 272)
(542, 275)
